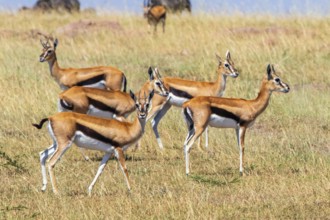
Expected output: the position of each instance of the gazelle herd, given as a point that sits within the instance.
(93, 110)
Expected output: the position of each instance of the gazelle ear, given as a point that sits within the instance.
(228, 55)
(157, 72)
(151, 95)
(218, 58)
(269, 71)
(151, 73)
(55, 43)
(132, 95)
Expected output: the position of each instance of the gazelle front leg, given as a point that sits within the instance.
(119, 154)
(240, 132)
(104, 161)
(155, 121)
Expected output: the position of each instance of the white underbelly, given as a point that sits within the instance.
(222, 122)
(99, 113)
(177, 101)
(98, 85)
(81, 140)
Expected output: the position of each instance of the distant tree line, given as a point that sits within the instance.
(66, 5)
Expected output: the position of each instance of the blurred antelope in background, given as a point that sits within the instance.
(154, 14)
(239, 114)
(104, 77)
(182, 90)
(105, 103)
(107, 135)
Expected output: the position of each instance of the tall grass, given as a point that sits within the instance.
(287, 151)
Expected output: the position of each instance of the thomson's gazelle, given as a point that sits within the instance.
(239, 114)
(105, 103)
(182, 90)
(103, 77)
(108, 135)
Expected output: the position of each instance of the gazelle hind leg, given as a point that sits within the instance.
(104, 161)
(60, 150)
(43, 158)
(240, 132)
(119, 154)
(188, 144)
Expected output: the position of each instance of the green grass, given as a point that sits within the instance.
(287, 150)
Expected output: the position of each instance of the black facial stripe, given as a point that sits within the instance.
(100, 105)
(226, 114)
(95, 135)
(180, 93)
(91, 80)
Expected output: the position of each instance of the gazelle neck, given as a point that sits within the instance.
(262, 100)
(54, 68)
(221, 84)
(138, 126)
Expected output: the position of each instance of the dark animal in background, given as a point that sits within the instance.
(154, 15)
(60, 5)
(172, 5)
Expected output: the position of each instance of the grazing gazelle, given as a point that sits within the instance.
(107, 135)
(105, 103)
(182, 90)
(154, 15)
(104, 77)
(239, 114)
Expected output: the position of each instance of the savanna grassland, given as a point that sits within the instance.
(287, 151)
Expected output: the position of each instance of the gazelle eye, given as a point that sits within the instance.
(227, 65)
(277, 80)
(147, 106)
(49, 51)
(158, 83)
(137, 105)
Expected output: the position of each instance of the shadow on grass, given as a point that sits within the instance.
(211, 181)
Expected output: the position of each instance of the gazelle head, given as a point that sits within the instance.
(227, 67)
(142, 103)
(274, 82)
(48, 51)
(157, 83)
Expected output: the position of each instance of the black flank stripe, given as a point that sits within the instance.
(224, 113)
(180, 93)
(101, 106)
(94, 134)
(91, 80)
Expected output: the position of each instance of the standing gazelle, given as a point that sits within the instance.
(182, 90)
(105, 103)
(154, 15)
(104, 77)
(239, 114)
(108, 135)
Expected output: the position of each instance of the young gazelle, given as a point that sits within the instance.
(104, 77)
(108, 135)
(105, 103)
(239, 114)
(154, 15)
(182, 90)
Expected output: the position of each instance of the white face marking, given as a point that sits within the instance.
(222, 122)
(176, 101)
(81, 140)
(99, 113)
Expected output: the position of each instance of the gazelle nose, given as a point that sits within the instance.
(41, 59)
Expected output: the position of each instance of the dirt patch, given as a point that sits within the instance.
(85, 26)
